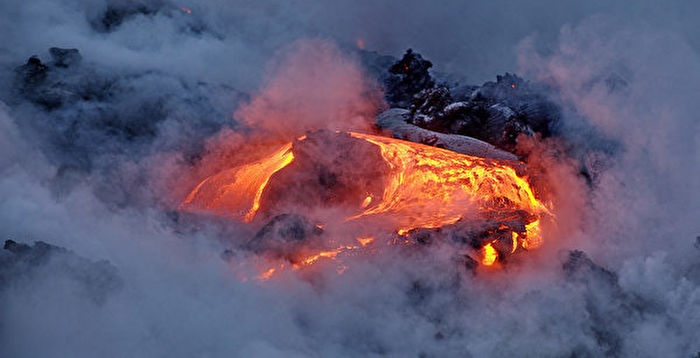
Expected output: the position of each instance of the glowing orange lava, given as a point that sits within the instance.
(364, 241)
(236, 192)
(430, 187)
(425, 187)
(488, 255)
(308, 260)
(267, 274)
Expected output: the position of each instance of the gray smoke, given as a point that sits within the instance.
(92, 148)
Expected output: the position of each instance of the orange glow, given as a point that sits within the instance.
(186, 10)
(488, 255)
(341, 269)
(330, 254)
(364, 241)
(367, 201)
(424, 187)
(236, 192)
(327, 254)
(360, 44)
(430, 187)
(402, 232)
(267, 274)
(533, 236)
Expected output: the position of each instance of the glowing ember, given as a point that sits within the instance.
(332, 254)
(367, 201)
(309, 260)
(327, 254)
(488, 255)
(364, 241)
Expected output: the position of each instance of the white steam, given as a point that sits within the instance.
(179, 298)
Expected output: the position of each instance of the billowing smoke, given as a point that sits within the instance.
(98, 147)
(313, 87)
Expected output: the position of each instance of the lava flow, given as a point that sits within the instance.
(429, 187)
(422, 187)
(236, 192)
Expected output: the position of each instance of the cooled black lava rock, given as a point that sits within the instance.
(118, 11)
(329, 169)
(395, 121)
(611, 309)
(431, 103)
(22, 264)
(282, 234)
(31, 73)
(65, 57)
(580, 267)
(408, 77)
(86, 115)
(497, 112)
(468, 263)
(60, 82)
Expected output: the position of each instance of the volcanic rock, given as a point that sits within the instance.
(65, 57)
(329, 169)
(497, 112)
(610, 307)
(408, 77)
(580, 267)
(117, 11)
(60, 82)
(282, 234)
(84, 112)
(20, 262)
(395, 120)
(33, 72)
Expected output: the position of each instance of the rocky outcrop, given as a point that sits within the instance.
(395, 121)
(21, 264)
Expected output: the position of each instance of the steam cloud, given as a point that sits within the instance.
(171, 85)
(314, 87)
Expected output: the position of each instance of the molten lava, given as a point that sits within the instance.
(431, 187)
(236, 192)
(424, 187)
(488, 255)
